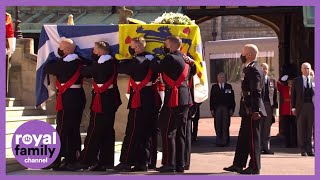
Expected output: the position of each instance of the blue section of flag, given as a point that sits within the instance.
(84, 35)
(43, 37)
(85, 30)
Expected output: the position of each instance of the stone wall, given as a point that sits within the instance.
(233, 27)
(22, 83)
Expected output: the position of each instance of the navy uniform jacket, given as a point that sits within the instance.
(101, 73)
(138, 70)
(223, 97)
(252, 88)
(173, 65)
(73, 98)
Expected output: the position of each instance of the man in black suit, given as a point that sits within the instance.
(222, 106)
(302, 104)
(251, 111)
(176, 73)
(271, 104)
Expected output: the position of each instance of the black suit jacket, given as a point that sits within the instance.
(253, 84)
(297, 93)
(172, 65)
(222, 97)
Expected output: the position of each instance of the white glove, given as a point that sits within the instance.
(149, 57)
(104, 58)
(284, 78)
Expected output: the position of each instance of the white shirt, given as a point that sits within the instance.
(221, 85)
(266, 79)
(305, 81)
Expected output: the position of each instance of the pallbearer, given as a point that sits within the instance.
(100, 140)
(174, 113)
(143, 104)
(70, 102)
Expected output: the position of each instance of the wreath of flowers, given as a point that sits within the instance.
(174, 18)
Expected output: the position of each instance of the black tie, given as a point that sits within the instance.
(308, 83)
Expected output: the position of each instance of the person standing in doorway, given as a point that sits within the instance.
(222, 106)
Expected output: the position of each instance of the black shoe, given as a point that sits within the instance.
(233, 168)
(122, 167)
(310, 154)
(77, 166)
(267, 152)
(180, 169)
(98, 167)
(250, 170)
(163, 169)
(303, 154)
(139, 168)
(62, 167)
(187, 167)
(54, 165)
(151, 166)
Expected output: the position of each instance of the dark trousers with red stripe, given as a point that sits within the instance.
(134, 149)
(100, 139)
(248, 144)
(152, 143)
(68, 124)
(173, 123)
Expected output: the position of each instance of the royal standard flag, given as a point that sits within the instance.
(119, 38)
(155, 35)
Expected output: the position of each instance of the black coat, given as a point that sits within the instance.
(222, 97)
(138, 70)
(101, 73)
(253, 83)
(173, 65)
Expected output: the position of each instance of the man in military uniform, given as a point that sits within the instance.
(222, 106)
(251, 111)
(100, 140)
(143, 104)
(70, 102)
(174, 113)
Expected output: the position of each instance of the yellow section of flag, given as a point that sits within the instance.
(155, 35)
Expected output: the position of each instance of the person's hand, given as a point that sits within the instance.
(294, 112)
(188, 60)
(212, 112)
(256, 116)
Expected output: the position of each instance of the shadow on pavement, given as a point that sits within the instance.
(206, 144)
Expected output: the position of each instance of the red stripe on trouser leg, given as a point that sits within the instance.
(86, 146)
(252, 146)
(167, 138)
(60, 132)
(134, 126)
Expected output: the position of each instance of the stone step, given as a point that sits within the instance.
(13, 165)
(10, 102)
(24, 111)
(15, 121)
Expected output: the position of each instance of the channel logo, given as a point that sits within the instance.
(35, 144)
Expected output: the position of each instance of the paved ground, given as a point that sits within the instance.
(207, 159)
